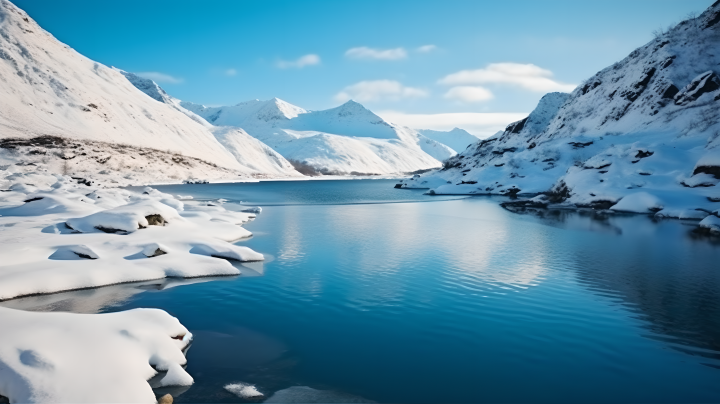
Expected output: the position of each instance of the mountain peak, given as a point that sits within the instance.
(276, 108)
(353, 105)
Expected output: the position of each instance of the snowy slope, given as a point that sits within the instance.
(342, 140)
(252, 154)
(48, 89)
(646, 128)
(456, 139)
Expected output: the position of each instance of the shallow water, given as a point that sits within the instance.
(455, 300)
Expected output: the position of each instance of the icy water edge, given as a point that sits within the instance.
(389, 295)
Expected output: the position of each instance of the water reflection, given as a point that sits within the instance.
(96, 300)
(456, 301)
(662, 270)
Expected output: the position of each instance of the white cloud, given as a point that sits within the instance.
(426, 48)
(378, 90)
(526, 76)
(307, 60)
(469, 94)
(481, 124)
(160, 77)
(230, 72)
(364, 52)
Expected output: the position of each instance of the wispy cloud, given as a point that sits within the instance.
(526, 76)
(230, 72)
(307, 60)
(379, 90)
(469, 94)
(481, 124)
(363, 52)
(160, 77)
(426, 48)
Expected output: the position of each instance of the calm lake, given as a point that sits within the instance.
(378, 294)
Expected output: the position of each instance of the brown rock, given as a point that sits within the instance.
(166, 399)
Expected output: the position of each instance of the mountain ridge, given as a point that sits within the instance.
(646, 125)
(342, 140)
(50, 90)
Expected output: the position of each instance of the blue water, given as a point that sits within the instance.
(455, 301)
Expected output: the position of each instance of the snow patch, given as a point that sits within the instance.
(74, 358)
(244, 390)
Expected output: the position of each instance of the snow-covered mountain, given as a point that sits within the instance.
(50, 90)
(456, 139)
(342, 140)
(248, 151)
(640, 135)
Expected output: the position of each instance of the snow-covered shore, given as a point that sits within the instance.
(90, 358)
(58, 233)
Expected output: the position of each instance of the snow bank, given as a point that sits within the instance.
(639, 202)
(711, 223)
(84, 358)
(126, 218)
(70, 235)
(228, 251)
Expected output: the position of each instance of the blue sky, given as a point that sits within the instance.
(404, 59)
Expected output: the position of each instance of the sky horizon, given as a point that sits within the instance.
(472, 64)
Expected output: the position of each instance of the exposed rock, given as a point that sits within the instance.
(257, 209)
(156, 253)
(712, 170)
(104, 229)
(558, 193)
(704, 83)
(166, 399)
(516, 127)
(670, 92)
(155, 220)
(580, 145)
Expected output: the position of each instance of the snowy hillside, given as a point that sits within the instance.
(51, 90)
(343, 140)
(456, 139)
(251, 153)
(641, 135)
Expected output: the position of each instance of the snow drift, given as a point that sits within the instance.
(89, 358)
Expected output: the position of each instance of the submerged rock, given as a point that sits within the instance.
(166, 399)
(255, 210)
